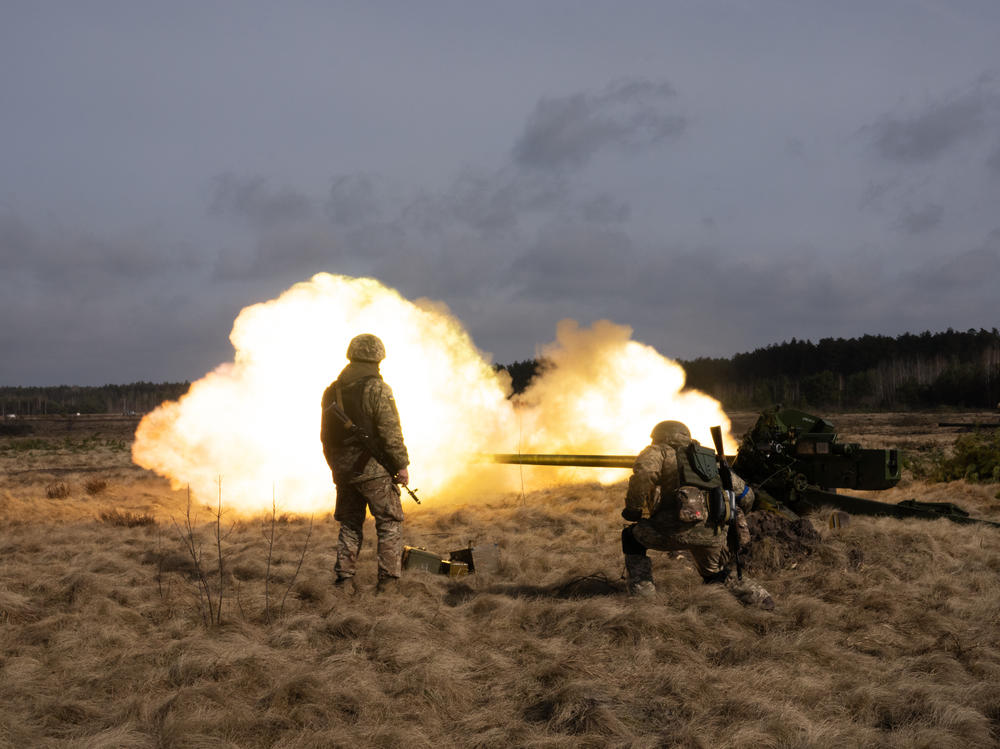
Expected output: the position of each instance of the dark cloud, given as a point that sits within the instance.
(574, 260)
(568, 131)
(970, 272)
(16, 241)
(920, 220)
(795, 148)
(993, 162)
(496, 202)
(926, 135)
(253, 200)
(94, 309)
(293, 253)
(875, 193)
(354, 200)
(606, 209)
(57, 255)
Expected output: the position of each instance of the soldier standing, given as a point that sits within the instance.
(671, 480)
(363, 483)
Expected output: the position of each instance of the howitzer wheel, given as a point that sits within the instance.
(800, 482)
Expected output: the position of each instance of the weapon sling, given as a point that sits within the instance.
(370, 448)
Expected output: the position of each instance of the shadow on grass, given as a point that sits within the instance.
(588, 586)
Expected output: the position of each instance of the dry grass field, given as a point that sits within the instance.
(886, 632)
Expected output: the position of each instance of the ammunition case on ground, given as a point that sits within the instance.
(454, 569)
(415, 558)
(478, 558)
(420, 559)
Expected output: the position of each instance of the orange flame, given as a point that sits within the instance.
(254, 423)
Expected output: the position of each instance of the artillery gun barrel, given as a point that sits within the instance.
(581, 461)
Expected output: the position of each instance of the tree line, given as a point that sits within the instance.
(135, 398)
(925, 370)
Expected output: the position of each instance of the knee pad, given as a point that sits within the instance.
(630, 545)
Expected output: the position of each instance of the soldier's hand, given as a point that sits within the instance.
(632, 514)
(403, 477)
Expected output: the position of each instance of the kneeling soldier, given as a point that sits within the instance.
(671, 480)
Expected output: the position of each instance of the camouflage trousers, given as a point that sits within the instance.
(382, 497)
(709, 551)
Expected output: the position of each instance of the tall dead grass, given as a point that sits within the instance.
(886, 635)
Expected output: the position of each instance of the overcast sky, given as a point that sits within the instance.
(717, 175)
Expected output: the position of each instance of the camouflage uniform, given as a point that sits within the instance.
(361, 482)
(656, 488)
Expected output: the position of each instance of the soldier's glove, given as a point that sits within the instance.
(632, 514)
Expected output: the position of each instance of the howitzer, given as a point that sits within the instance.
(795, 463)
(364, 439)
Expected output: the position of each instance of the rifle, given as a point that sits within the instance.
(726, 474)
(362, 437)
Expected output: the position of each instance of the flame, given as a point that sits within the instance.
(602, 393)
(250, 429)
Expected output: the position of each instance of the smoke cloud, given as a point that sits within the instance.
(252, 425)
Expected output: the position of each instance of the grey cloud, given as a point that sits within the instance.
(605, 209)
(490, 203)
(76, 257)
(875, 193)
(354, 200)
(496, 202)
(253, 200)
(480, 201)
(16, 241)
(692, 301)
(92, 309)
(993, 162)
(293, 253)
(924, 136)
(574, 260)
(920, 220)
(568, 131)
(794, 147)
(978, 268)
(708, 300)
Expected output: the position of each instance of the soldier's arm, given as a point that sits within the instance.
(646, 474)
(744, 494)
(387, 425)
(325, 425)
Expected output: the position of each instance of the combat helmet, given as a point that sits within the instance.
(665, 429)
(367, 348)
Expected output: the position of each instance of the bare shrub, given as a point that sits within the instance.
(95, 486)
(209, 596)
(268, 533)
(127, 519)
(58, 490)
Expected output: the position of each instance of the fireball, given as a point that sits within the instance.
(251, 426)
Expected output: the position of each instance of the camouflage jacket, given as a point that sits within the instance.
(655, 474)
(347, 461)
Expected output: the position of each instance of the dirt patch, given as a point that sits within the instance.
(778, 543)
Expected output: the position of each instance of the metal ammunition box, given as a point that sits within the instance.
(479, 558)
(454, 569)
(415, 558)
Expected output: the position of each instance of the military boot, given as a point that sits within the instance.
(345, 585)
(749, 592)
(387, 584)
(639, 575)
